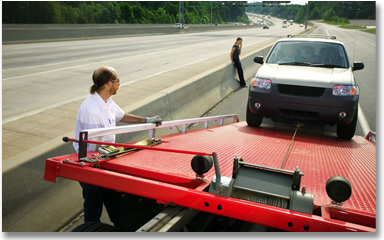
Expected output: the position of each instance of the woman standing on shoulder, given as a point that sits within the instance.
(235, 59)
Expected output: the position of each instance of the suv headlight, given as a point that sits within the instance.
(344, 90)
(261, 83)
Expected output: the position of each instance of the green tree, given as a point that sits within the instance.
(189, 18)
(172, 8)
(70, 15)
(315, 13)
(328, 15)
(161, 16)
(126, 12)
(139, 13)
(86, 14)
(300, 16)
(105, 15)
(114, 12)
(225, 13)
(236, 12)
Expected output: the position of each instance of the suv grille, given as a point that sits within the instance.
(297, 114)
(301, 91)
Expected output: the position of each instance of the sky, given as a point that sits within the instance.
(299, 2)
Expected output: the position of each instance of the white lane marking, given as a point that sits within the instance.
(363, 121)
(155, 74)
(60, 69)
(27, 114)
(368, 42)
(61, 63)
(110, 56)
(337, 28)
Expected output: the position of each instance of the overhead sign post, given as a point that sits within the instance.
(306, 19)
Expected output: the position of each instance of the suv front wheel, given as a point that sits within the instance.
(253, 120)
(347, 131)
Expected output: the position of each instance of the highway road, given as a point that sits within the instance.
(40, 76)
(361, 46)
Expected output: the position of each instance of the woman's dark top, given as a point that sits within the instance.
(235, 56)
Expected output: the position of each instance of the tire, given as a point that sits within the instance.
(253, 120)
(95, 227)
(347, 131)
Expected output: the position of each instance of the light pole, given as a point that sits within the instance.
(306, 19)
(211, 12)
(348, 9)
(357, 10)
(179, 13)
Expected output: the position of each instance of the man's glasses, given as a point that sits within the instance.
(118, 80)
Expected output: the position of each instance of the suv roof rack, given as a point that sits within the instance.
(312, 36)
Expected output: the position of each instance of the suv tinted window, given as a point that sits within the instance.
(319, 54)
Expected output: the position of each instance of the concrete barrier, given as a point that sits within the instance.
(31, 204)
(32, 33)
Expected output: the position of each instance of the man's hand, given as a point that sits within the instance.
(155, 119)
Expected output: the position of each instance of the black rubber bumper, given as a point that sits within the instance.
(290, 108)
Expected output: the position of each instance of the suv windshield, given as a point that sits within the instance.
(314, 54)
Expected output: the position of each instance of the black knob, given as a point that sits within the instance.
(66, 139)
(201, 164)
(338, 189)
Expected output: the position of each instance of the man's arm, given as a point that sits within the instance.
(128, 118)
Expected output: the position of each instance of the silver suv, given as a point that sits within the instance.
(306, 79)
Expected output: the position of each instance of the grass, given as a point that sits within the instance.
(343, 25)
(333, 23)
(373, 31)
(353, 27)
(347, 26)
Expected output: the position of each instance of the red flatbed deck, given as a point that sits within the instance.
(169, 178)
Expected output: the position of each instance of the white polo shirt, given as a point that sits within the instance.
(94, 112)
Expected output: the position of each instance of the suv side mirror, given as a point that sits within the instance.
(357, 66)
(258, 59)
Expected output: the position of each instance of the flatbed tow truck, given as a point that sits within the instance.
(281, 178)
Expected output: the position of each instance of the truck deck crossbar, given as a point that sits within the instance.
(98, 132)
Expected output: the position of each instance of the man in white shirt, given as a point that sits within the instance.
(99, 111)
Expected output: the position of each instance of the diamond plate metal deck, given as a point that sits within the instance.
(319, 157)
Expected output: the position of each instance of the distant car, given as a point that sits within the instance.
(236, 24)
(266, 26)
(306, 80)
(178, 25)
(301, 25)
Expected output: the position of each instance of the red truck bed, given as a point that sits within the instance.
(169, 178)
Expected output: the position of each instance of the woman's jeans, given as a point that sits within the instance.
(240, 72)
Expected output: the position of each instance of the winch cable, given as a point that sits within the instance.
(290, 145)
